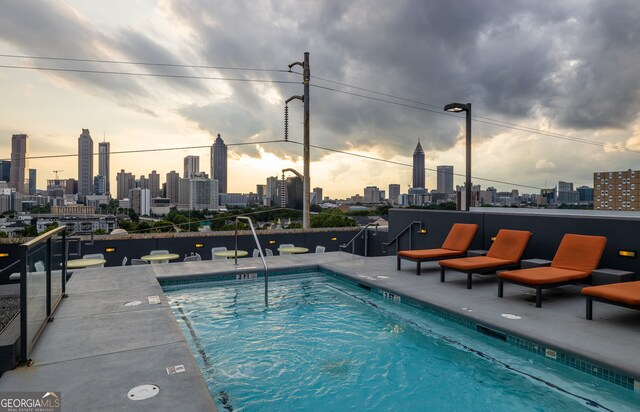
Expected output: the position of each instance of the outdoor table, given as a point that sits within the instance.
(294, 250)
(231, 253)
(160, 256)
(84, 263)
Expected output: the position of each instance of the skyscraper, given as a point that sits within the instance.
(85, 164)
(445, 179)
(173, 188)
(124, 183)
(32, 181)
(317, 195)
(104, 148)
(191, 166)
(154, 184)
(5, 171)
(19, 163)
(418, 167)
(219, 163)
(394, 193)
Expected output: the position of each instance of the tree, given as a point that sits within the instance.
(4, 235)
(331, 218)
(99, 232)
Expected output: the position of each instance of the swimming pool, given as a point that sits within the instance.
(325, 344)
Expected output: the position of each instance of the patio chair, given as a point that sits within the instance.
(505, 253)
(192, 258)
(94, 256)
(269, 252)
(135, 261)
(39, 266)
(218, 249)
(159, 252)
(256, 252)
(283, 245)
(455, 245)
(320, 249)
(576, 257)
(124, 261)
(625, 294)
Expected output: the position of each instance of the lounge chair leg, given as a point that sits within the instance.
(500, 286)
(468, 280)
(589, 308)
(418, 268)
(398, 258)
(441, 273)
(538, 297)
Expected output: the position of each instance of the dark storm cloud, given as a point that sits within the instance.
(574, 62)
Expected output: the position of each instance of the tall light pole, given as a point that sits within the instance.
(306, 181)
(461, 107)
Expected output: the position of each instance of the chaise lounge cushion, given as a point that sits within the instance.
(507, 249)
(627, 293)
(543, 275)
(429, 253)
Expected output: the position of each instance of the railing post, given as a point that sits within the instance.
(23, 304)
(366, 242)
(47, 270)
(64, 262)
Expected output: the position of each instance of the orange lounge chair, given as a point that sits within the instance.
(576, 257)
(504, 253)
(455, 245)
(625, 294)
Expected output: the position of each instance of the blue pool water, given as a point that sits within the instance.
(326, 345)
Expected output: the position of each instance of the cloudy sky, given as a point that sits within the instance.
(543, 78)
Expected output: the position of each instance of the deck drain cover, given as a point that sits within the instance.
(143, 392)
(510, 316)
(133, 303)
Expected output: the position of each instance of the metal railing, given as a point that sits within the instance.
(402, 232)
(366, 239)
(264, 262)
(39, 294)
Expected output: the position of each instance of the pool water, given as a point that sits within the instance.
(323, 344)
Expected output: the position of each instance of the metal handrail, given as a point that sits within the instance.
(264, 262)
(366, 236)
(402, 232)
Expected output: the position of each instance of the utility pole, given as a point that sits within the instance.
(306, 181)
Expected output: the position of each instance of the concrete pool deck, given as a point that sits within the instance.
(97, 349)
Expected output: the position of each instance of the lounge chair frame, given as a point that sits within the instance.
(538, 288)
(418, 261)
(591, 299)
(478, 271)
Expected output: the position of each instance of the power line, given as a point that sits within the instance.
(189, 66)
(149, 150)
(408, 165)
(174, 76)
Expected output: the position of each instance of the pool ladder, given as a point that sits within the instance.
(264, 262)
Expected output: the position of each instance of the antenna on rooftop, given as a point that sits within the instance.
(56, 172)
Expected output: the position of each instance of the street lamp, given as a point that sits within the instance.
(461, 107)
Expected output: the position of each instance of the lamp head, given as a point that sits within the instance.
(456, 107)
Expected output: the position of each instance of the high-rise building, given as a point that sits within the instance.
(99, 185)
(273, 188)
(85, 164)
(566, 194)
(294, 192)
(371, 194)
(219, 163)
(19, 163)
(445, 179)
(394, 193)
(203, 194)
(5, 171)
(585, 194)
(140, 200)
(418, 167)
(191, 166)
(618, 190)
(173, 187)
(317, 195)
(154, 184)
(124, 183)
(104, 150)
(32, 181)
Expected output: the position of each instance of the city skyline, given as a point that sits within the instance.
(554, 72)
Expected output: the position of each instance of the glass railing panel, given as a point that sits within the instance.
(37, 259)
(56, 272)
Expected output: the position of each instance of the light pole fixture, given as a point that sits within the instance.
(456, 108)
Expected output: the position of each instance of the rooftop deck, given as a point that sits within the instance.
(97, 349)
